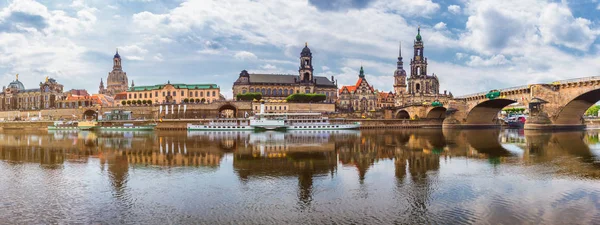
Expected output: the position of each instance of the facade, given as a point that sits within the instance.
(280, 86)
(359, 97)
(117, 79)
(175, 93)
(80, 98)
(16, 97)
(419, 87)
(385, 100)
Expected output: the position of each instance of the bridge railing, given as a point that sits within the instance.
(575, 80)
(501, 90)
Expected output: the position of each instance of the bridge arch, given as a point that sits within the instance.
(572, 112)
(228, 110)
(486, 112)
(437, 113)
(402, 114)
(89, 114)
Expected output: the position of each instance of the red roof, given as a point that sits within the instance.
(351, 88)
(121, 96)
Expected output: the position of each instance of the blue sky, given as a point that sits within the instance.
(472, 45)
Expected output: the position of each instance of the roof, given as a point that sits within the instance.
(121, 96)
(350, 88)
(81, 92)
(177, 86)
(17, 85)
(385, 94)
(287, 79)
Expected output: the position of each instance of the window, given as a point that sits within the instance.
(163, 94)
(201, 94)
(134, 95)
(145, 95)
(262, 91)
(182, 93)
(174, 93)
(243, 91)
(269, 91)
(156, 94)
(285, 92)
(196, 94)
(129, 95)
(214, 94)
(251, 89)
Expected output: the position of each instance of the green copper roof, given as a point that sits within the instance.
(362, 72)
(419, 34)
(177, 86)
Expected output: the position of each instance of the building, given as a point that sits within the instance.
(419, 88)
(80, 98)
(175, 93)
(117, 79)
(359, 97)
(385, 100)
(279, 86)
(16, 97)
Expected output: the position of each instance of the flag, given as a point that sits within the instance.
(166, 110)
(27, 115)
(160, 110)
(172, 107)
(184, 108)
(178, 108)
(40, 114)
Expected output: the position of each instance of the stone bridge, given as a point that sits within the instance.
(419, 111)
(564, 104)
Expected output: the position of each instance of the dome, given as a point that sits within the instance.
(419, 34)
(306, 51)
(16, 85)
(117, 54)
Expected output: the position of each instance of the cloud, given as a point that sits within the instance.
(454, 9)
(244, 55)
(492, 61)
(558, 26)
(324, 68)
(158, 57)
(269, 67)
(133, 52)
(440, 26)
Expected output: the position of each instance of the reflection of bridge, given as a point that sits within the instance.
(563, 105)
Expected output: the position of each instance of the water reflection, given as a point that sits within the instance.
(324, 166)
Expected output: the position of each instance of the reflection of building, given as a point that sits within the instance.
(117, 79)
(16, 97)
(175, 93)
(358, 97)
(280, 86)
(419, 87)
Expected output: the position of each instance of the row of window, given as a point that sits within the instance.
(283, 92)
(174, 93)
(271, 108)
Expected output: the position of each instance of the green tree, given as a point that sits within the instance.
(203, 100)
(123, 102)
(592, 111)
(249, 96)
(306, 98)
(139, 102)
(185, 100)
(128, 102)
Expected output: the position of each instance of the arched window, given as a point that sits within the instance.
(280, 92)
(134, 95)
(269, 91)
(251, 89)
(263, 92)
(285, 92)
(214, 94)
(243, 91)
(174, 93)
(201, 94)
(196, 94)
(418, 87)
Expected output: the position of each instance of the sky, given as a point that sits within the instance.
(471, 45)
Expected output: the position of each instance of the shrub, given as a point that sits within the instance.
(123, 102)
(139, 102)
(185, 100)
(128, 102)
(304, 98)
(249, 96)
(203, 100)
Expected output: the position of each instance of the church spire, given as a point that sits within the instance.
(419, 33)
(400, 64)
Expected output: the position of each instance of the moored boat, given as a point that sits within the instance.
(87, 125)
(64, 125)
(222, 124)
(129, 126)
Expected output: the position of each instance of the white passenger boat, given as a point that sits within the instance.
(222, 124)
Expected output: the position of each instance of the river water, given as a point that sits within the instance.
(420, 176)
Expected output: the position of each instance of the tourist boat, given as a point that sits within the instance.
(315, 121)
(87, 125)
(64, 125)
(517, 121)
(222, 124)
(128, 127)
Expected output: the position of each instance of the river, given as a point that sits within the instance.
(419, 176)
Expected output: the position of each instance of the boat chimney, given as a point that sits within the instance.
(262, 106)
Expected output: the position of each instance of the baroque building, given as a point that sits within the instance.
(419, 87)
(175, 93)
(359, 97)
(280, 86)
(117, 79)
(16, 97)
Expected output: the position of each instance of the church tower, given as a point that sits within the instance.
(101, 87)
(117, 79)
(400, 75)
(306, 68)
(418, 64)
